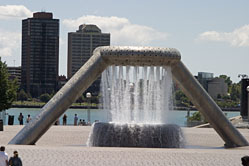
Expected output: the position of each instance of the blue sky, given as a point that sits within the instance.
(212, 36)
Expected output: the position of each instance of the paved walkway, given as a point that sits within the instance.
(66, 145)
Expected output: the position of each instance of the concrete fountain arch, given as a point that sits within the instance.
(132, 56)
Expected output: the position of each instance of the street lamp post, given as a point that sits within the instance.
(244, 97)
(247, 89)
(88, 96)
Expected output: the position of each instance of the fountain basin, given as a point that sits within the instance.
(136, 135)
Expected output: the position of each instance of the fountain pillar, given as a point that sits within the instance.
(206, 105)
(61, 101)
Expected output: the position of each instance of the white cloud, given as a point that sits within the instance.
(9, 42)
(123, 32)
(14, 11)
(238, 38)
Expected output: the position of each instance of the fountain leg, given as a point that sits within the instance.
(206, 105)
(61, 101)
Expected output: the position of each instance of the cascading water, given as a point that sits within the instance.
(136, 94)
(136, 101)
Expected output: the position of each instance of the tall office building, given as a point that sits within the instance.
(15, 73)
(81, 45)
(40, 54)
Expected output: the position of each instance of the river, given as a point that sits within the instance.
(176, 117)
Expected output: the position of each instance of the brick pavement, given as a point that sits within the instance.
(66, 145)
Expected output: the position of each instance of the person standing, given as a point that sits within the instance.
(3, 157)
(64, 119)
(20, 118)
(28, 119)
(15, 160)
(83, 122)
(75, 120)
(80, 123)
(245, 161)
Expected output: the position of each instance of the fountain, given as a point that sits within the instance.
(136, 101)
(130, 56)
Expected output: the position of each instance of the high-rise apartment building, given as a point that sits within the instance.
(40, 53)
(81, 45)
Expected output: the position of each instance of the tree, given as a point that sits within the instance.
(235, 92)
(95, 99)
(45, 97)
(195, 117)
(181, 99)
(227, 79)
(80, 100)
(218, 96)
(22, 96)
(8, 88)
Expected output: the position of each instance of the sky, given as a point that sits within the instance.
(212, 36)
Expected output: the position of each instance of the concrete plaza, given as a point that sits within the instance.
(66, 145)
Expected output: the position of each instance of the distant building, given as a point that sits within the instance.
(15, 73)
(62, 80)
(204, 78)
(40, 54)
(81, 45)
(217, 86)
(214, 86)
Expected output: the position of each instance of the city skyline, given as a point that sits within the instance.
(211, 36)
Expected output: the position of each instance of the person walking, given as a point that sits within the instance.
(75, 120)
(64, 119)
(20, 119)
(15, 160)
(3, 157)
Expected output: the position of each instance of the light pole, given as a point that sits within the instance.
(88, 96)
(247, 89)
